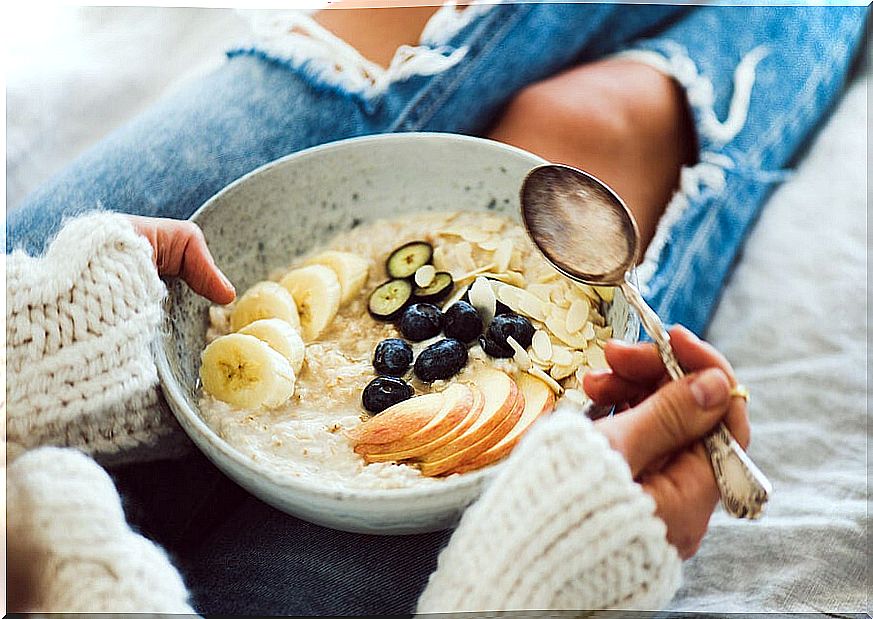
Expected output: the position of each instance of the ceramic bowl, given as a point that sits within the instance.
(290, 206)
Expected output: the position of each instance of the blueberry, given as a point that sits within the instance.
(463, 322)
(494, 349)
(441, 360)
(506, 325)
(392, 357)
(421, 321)
(385, 391)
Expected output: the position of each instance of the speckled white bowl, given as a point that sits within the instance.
(292, 205)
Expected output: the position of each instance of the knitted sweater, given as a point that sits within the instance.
(562, 526)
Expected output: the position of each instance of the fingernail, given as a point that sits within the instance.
(619, 343)
(598, 373)
(710, 388)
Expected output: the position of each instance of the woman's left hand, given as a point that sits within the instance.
(179, 250)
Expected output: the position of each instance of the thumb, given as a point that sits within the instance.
(673, 417)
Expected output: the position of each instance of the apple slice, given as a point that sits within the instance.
(398, 421)
(539, 400)
(405, 449)
(501, 402)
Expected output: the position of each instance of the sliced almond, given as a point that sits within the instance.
(489, 245)
(520, 357)
(440, 258)
(607, 293)
(588, 331)
(543, 291)
(502, 255)
(513, 278)
(424, 275)
(577, 315)
(551, 382)
(603, 333)
(561, 355)
(559, 372)
(556, 324)
(545, 364)
(516, 261)
(542, 345)
(595, 358)
(587, 291)
(533, 307)
(463, 253)
(474, 235)
(548, 277)
(483, 299)
(472, 274)
(596, 318)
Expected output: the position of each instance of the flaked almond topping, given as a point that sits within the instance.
(483, 299)
(595, 358)
(512, 278)
(542, 345)
(561, 355)
(551, 382)
(560, 372)
(603, 333)
(520, 357)
(502, 255)
(577, 315)
(463, 253)
(424, 275)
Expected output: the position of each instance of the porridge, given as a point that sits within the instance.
(403, 352)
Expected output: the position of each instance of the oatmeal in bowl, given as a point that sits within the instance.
(368, 368)
(394, 336)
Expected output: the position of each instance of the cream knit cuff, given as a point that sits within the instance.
(562, 526)
(79, 322)
(66, 530)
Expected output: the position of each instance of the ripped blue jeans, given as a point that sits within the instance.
(758, 81)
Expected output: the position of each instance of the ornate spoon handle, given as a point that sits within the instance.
(744, 488)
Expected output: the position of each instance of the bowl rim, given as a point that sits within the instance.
(179, 405)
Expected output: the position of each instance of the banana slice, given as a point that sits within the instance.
(281, 337)
(264, 300)
(350, 269)
(316, 290)
(245, 372)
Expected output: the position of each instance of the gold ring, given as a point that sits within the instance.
(740, 391)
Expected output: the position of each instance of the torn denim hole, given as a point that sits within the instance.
(295, 39)
(709, 171)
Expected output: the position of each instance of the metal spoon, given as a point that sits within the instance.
(586, 232)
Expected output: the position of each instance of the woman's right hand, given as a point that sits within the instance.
(661, 422)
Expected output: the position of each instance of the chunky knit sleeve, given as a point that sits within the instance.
(562, 527)
(70, 547)
(79, 323)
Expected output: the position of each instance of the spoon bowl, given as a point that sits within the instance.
(580, 224)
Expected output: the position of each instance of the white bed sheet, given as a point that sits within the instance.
(793, 318)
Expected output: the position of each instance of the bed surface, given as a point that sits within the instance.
(793, 319)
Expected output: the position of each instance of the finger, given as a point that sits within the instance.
(199, 271)
(642, 363)
(676, 415)
(606, 388)
(685, 494)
